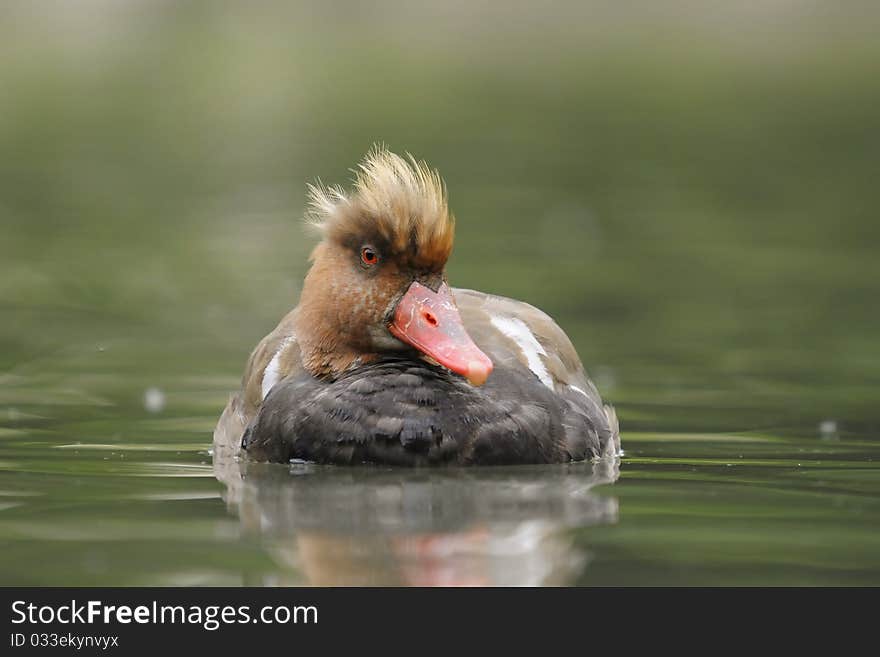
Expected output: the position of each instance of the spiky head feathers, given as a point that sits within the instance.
(398, 205)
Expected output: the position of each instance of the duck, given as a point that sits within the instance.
(383, 362)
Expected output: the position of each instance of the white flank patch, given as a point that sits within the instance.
(576, 389)
(272, 373)
(516, 329)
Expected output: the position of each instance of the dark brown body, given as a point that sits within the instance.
(401, 410)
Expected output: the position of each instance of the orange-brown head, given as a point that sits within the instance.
(378, 283)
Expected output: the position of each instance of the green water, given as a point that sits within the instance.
(695, 205)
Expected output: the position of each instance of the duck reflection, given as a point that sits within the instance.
(335, 526)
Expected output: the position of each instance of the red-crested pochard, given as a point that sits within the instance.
(383, 362)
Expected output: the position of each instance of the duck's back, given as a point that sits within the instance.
(528, 346)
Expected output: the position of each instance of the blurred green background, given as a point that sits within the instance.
(691, 193)
(690, 189)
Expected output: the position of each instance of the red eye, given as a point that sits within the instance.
(368, 256)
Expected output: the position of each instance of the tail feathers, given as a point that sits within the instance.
(612, 447)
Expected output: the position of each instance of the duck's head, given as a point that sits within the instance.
(378, 282)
